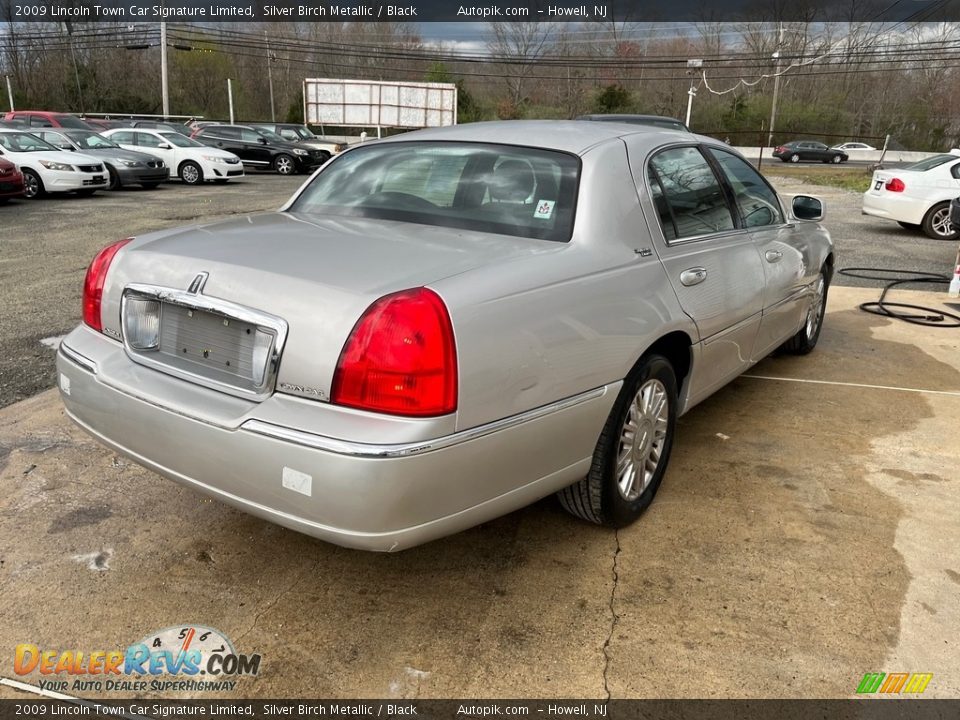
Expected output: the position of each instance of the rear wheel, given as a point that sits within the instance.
(33, 185)
(191, 173)
(806, 338)
(936, 223)
(633, 450)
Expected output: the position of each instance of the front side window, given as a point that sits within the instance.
(148, 140)
(519, 191)
(756, 201)
(696, 201)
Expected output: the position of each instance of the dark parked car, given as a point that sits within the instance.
(126, 167)
(660, 121)
(301, 135)
(11, 181)
(261, 148)
(955, 212)
(809, 150)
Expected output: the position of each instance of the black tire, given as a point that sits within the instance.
(837, 159)
(190, 173)
(114, 183)
(324, 156)
(794, 158)
(908, 226)
(806, 338)
(284, 164)
(933, 223)
(33, 184)
(599, 497)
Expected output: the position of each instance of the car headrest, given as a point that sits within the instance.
(512, 181)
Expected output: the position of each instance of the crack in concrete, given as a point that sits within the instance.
(256, 619)
(614, 618)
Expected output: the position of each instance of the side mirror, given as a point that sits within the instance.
(163, 146)
(262, 140)
(808, 208)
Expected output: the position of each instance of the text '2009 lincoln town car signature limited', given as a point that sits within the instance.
(441, 328)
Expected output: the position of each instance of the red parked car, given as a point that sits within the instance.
(11, 181)
(43, 118)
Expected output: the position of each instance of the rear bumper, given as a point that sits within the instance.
(372, 497)
(893, 206)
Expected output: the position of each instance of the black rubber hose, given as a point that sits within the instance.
(930, 317)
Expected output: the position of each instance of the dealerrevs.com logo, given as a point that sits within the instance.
(181, 658)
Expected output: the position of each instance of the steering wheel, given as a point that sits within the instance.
(399, 198)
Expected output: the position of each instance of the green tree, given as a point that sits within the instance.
(613, 98)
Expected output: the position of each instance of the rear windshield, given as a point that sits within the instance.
(71, 121)
(526, 192)
(931, 162)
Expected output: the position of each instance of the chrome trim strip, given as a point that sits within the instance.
(77, 359)
(207, 303)
(367, 450)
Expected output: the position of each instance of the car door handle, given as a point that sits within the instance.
(693, 276)
(773, 255)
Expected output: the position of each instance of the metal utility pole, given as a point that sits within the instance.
(776, 87)
(230, 98)
(692, 66)
(10, 93)
(266, 37)
(165, 88)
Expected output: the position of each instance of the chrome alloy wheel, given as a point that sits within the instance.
(285, 165)
(940, 222)
(190, 174)
(642, 439)
(31, 185)
(815, 312)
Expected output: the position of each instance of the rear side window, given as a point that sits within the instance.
(509, 190)
(123, 137)
(696, 202)
(757, 203)
(38, 121)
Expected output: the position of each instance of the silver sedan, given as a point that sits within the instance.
(444, 327)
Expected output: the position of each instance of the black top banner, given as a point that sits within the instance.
(557, 11)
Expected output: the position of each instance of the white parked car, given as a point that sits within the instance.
(918, 196)
(189, 160)
(48, 169)
(853, 146)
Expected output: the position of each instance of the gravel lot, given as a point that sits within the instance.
(46, 245)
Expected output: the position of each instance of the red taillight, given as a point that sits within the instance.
(895, 185)
(93, 283)
(400, 358)
(780, 149)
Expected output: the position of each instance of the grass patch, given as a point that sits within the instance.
(853, 179)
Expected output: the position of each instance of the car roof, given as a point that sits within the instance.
(570, 136)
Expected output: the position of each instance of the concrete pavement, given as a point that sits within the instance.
(807, 532)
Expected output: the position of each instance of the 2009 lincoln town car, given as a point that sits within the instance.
(440, 328)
